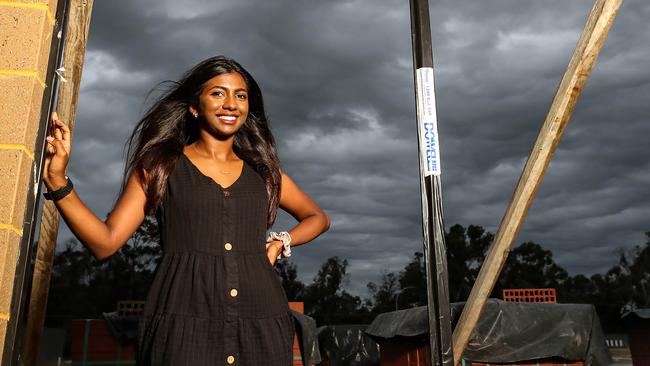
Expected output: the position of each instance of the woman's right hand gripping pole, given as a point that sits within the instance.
(57, 154)
(102, 238)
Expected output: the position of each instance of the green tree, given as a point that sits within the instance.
(69, 287)
(466, 249)
(636, 265)
(413, 283)
(327, 301)
(578, 289)
(624, 286)
(288, 273)
(530, 266)
(83, 286)
(384, 296)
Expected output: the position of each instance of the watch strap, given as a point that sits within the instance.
(61, 192)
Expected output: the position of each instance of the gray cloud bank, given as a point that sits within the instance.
(338, 87)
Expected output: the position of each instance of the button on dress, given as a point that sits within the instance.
(215, 298)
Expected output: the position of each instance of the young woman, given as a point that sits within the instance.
(203, 160)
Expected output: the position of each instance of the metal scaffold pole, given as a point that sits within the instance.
(435, 252)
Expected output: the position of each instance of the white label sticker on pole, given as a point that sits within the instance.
(427, 121)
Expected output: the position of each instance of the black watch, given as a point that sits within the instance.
(59, 193)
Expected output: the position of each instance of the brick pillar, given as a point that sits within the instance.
(26, 37)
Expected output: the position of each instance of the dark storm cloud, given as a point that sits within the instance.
(338, 87)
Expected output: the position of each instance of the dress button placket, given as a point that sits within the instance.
(230, 259)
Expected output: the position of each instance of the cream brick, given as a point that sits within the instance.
(10, 242)
(25, 43)
(15, 170)
(21, 105)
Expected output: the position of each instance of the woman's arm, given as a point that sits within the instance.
(102, 238)
(312, 220)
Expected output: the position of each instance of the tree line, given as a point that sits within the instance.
(85, 287)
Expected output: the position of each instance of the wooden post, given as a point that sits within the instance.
(76, 36)
(589, 45)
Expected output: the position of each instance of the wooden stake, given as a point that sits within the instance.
(73, 60)
(589, 45)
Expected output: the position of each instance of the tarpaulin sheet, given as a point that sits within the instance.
(124, 328)
(348, 345)
(307, 334)
(512, 332)
(641, 313)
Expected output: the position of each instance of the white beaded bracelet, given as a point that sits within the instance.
(286, 241)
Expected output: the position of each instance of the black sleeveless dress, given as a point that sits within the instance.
(215, 298)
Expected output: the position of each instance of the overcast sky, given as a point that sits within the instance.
(338, 86)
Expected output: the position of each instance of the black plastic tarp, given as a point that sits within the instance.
(124, 328)
(640, 313)
(407, 323)
(348, 345)
(308, 336)
(512, 332)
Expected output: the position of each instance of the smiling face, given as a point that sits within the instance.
(223, 104)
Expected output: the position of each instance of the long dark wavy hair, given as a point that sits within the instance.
(167, 127)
